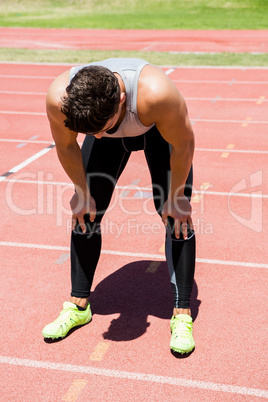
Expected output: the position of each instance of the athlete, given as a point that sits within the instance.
(124, 105)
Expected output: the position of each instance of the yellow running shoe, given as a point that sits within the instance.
(69, 317)
(182, 340)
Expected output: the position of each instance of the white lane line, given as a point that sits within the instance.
(55, 183)
(39, 63)
(192, 120)
(31, 141)
(242, 151)
(34, 246)
(220, 82)
(174, 80)
(26, 162)
(245, 151)
(203, 52)
(218, 99)
(136, 255)
(232, 263)
(229, 121)
(30, 77)
(22, 93)
(31, 159)
(243, 68)
(226, 194)
(19, 112)
(148, 189)
(169, 71)
(150, 378)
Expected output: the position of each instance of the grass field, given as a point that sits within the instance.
(159, 58)
(135, 14)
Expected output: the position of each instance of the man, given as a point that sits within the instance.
(124, 105)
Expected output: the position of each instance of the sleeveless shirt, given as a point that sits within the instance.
(129, 70)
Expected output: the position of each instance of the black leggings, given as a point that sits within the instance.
(104, 161)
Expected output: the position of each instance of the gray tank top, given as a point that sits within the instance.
(129, 70)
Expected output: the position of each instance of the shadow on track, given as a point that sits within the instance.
(135, 294)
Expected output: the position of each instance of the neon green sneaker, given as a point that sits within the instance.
(69, 317)
(182, 340)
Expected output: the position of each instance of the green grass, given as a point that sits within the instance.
(135, 14)
(159, 58)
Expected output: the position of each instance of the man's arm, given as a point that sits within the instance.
(69, 153)
(165, 106)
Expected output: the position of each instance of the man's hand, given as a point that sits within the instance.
(180, 210)
(80, 206)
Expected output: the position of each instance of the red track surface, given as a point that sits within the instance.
(124, 353)
(143, 40)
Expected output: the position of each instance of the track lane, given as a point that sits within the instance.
(221, 356)
(143, 40)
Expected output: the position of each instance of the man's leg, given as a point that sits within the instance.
(180, 253)
(104, 161)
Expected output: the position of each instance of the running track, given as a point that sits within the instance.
(254, 41)
(123, 354)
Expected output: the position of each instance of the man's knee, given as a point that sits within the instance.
(171, 229)
(91, 227)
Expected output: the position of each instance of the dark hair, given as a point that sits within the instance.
(93, 97)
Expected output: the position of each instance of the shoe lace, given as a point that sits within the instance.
(182, 329)
(65, 315)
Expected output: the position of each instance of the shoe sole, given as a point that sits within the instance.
(182, 352)
(46, 336)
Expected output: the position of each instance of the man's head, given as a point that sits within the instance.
(93, 98)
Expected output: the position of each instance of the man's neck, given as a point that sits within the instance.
(119, 121)
(123, 111)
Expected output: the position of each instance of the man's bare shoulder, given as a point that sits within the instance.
(156, 93)
(57, 90)
(152, 78)
(62, 135)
